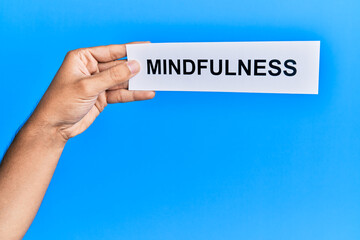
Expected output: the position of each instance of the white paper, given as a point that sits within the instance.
(245, 66)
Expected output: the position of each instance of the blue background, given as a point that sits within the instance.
(195, 165)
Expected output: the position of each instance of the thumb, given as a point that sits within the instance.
(115, 75)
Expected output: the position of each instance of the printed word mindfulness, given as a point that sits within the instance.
(250, 67)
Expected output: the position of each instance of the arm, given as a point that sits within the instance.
(86, 82)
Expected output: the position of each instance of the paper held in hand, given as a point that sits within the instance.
(264, 67)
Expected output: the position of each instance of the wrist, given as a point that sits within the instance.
(43, 130)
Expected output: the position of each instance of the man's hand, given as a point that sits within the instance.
(87, 81)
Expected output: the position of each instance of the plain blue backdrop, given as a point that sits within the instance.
(190, 165)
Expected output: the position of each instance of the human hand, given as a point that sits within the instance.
(86, 82)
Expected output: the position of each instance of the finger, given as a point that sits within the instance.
(123, 95)
(107, 65)
(123, 85)
(110, 52)
(114, 76)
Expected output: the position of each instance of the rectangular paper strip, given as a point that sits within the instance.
(266, 67)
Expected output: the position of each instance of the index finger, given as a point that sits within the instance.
(110, 52)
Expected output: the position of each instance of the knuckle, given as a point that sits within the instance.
(111, 53)
(84, 87)
(82, 52)
(117, 73)
(76, 52)
(70, 53)
(120, 98)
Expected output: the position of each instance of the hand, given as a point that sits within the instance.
(87, 81)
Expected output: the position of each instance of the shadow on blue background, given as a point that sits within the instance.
(195, 165)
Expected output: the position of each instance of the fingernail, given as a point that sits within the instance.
(133, 66)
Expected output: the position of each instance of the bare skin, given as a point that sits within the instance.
(86, 82)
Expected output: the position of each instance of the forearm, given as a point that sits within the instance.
(25, 174)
